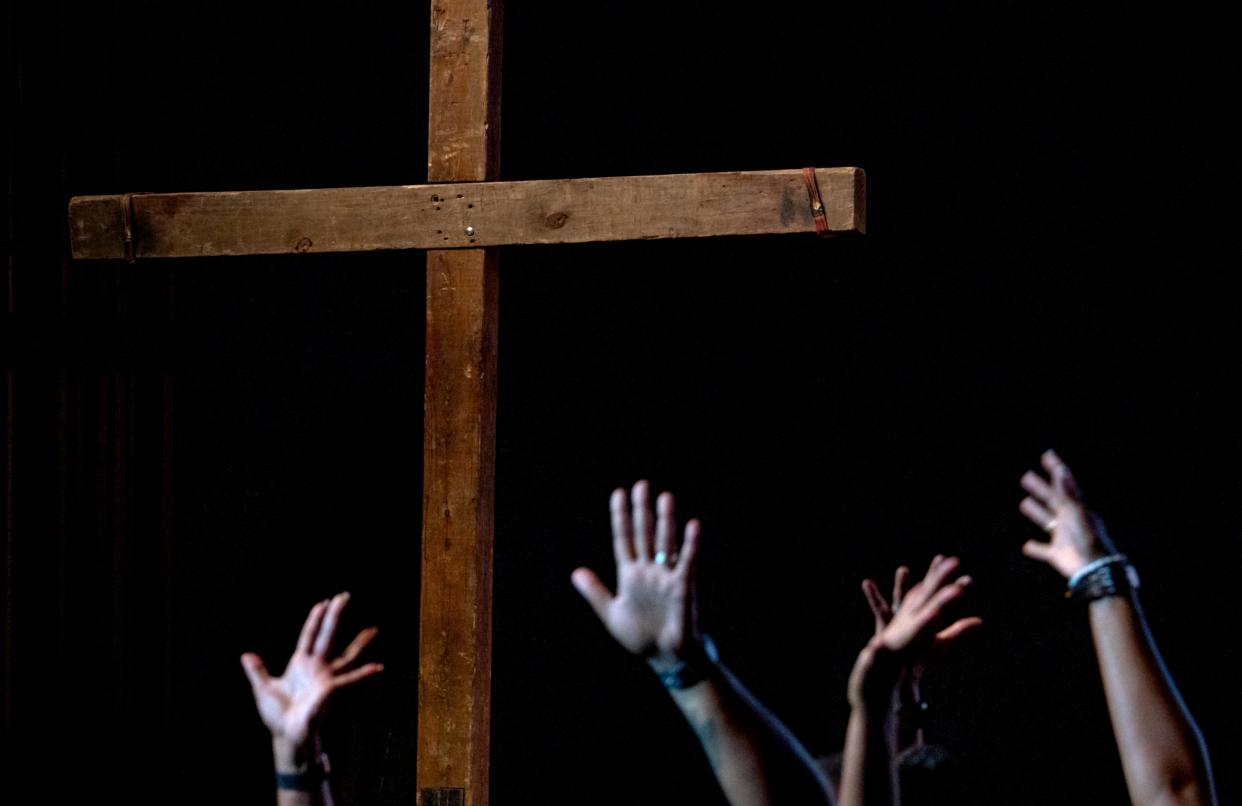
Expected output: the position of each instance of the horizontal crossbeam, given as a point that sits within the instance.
(462, 215)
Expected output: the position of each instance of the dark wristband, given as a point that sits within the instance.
(307, 781)
(687, 673)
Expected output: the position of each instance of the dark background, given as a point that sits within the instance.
(197, 450)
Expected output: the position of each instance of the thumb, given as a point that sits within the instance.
(594, 591)
(255, 670)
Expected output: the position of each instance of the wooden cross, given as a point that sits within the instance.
(458, 218)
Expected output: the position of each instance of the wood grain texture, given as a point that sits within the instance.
(463, 124)
(459, 455)
(459, 427)
(467, 215)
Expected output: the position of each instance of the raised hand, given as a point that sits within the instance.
(883, 612)
(652, 613)
(908, 633)
(1162, 751)
(1055, 505)
(291, 705)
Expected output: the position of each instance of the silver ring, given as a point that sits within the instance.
(1050, 525)
(661, 558)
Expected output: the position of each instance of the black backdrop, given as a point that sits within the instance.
(1051, 261)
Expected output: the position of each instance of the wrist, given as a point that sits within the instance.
(875, 681)
(1103, 578)
(1085, 560)
(291, 756)
(696, 662)
(870, 713)
(300, 766)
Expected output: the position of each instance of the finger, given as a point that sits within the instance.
(311, 628)
(935, 579)
(1037, 514)
(1062, 478)
(688, 556)
(879, 607)
(901, 585)
(959, 627)
(622, 532)
(641, 513)
(355, 648)
(361, 673)
(1071, 485)
(327, 630)
(1062, 481)
(919, 591)
(943, 597)
(595, 592)
(256, 670)
(946, 637)
(913, 596)
(1037, 550)
(1037, 487)
(666, 527)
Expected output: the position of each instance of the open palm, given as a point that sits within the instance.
(911, 632)
(292, 704)
(652, 613)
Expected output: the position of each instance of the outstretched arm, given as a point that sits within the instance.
(756, 760)
(292, 705)
(867, 774)
(1162, 753)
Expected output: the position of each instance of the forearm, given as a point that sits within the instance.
(867, 766)
(1162, 755)
(755, 758)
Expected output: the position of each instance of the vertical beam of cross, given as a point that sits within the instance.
(455, 623)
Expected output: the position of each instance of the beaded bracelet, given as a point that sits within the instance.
(1107, 576)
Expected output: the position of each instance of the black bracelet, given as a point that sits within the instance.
(688, 673)
(307, 781)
